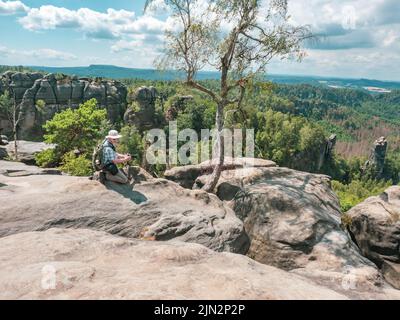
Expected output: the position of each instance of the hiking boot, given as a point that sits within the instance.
(102, 177)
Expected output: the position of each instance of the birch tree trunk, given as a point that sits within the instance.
(212, 182)
(15, 127)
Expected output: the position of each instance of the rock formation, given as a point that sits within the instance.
(3, 142)
(3, 138)
(86, 264)
(157, 209)
(327, 151)
(375, 227)
(377, 157)
(142, 110)
(58, 94)
(101, 240)
(27, 150)
(186, 176)
(293, 221)
(178, 105)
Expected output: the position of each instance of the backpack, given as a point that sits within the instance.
(97, 157)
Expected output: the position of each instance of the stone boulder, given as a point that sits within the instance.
(377, 157)
(293, 220)
(19, 169)
(141, 113)
(186, 176)
(27, 150)
(58, 94)
(375, 227)
(3, 153)
(156, 209)
(86, 264)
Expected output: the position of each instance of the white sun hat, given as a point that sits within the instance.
(113, 134)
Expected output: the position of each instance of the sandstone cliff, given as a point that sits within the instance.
(59, 93)
(155, 240)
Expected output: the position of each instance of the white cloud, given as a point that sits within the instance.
(51, 54)
(357, 37)
(108, 25)
(12, 7)
(37, 54)
(93, 23)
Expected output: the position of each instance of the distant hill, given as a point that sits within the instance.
(114, 72)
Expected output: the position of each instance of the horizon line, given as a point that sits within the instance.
(212, 71)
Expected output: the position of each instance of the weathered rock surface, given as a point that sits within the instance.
(27, 150)
(186, 176)
(18, 169)
(85, 264)
(141, 113)
(3, 153)
(156, 209)
(291, 218)
(377, 157)
(59, 94)
(293, 221)
(375, 226)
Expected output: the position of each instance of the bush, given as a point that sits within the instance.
(357, 191)
(76, 165)
(77, 129)
(290, 141)
(131, 142)
(48, 158)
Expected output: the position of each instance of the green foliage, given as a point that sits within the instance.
(357, 191)
(40, 105)
(15, 68)
(76, 129)
(197, 114)
(76, 165)
(132, 142)
(48, 158)
(289, 140)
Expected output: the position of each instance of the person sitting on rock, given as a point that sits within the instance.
(111, 158)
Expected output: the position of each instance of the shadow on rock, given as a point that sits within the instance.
(127, 191)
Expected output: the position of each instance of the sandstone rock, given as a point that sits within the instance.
(377, 157)
(293, 221)
(18, 81)
(60, 94)
(3, 139)
(95, 265)
(46, 92)
(64, 91)
(143, 113)
(391, 272)
(11, 168)
(27, 150)
(157, 209)
(187, 175)
(77, 91)
(3, 153)
(327, 151)
(95, 90)
(375, 227)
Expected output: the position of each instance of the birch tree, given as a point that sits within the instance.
(12, 110)
(236, 37)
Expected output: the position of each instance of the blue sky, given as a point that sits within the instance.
(358, 38)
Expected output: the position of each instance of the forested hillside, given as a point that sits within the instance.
(309, 128)
(293, 122)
